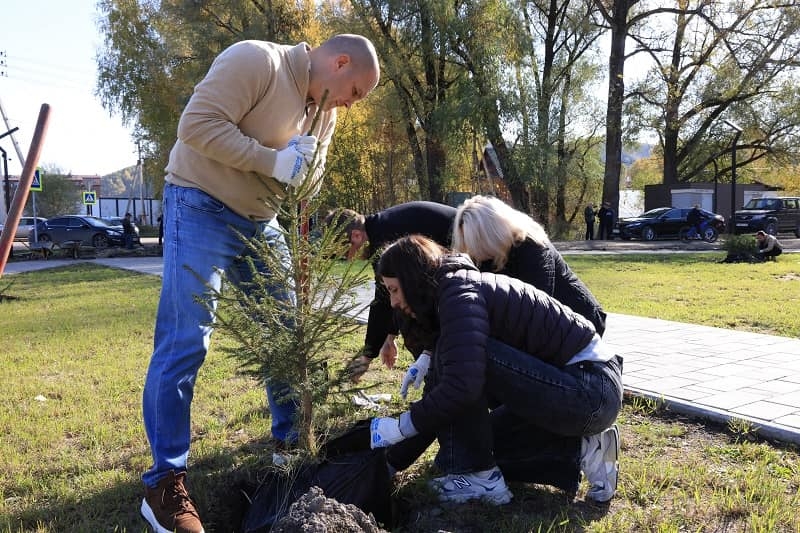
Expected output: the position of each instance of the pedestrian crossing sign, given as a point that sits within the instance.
(36, 185)
(89, 198)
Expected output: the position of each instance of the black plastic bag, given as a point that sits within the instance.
(350, 473)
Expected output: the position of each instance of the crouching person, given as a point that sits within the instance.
(768, 246)
(509, 360)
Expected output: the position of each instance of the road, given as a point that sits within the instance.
(617, 246)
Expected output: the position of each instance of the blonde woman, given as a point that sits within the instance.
(502, 240)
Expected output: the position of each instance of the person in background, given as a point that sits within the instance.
(244, 136)
(589, 214)
(694, 218)
(127, 231)
(376, 231)
(768, 246)
(606, 221)
(501, 344)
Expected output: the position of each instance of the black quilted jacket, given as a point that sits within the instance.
(473, 306)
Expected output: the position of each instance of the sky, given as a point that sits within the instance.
(47, 54)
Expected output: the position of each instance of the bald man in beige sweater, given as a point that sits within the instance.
(243, 138)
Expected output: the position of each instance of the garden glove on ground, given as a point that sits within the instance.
(416, 373)
(291, 163)
(387, 431)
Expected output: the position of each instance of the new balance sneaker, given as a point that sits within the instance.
(600, 463)
(487, 485)
(168, 507)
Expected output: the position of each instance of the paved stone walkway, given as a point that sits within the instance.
(714, 373)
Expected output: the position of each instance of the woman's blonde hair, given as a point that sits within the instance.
(487, 228)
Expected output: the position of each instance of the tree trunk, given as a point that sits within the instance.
(616, 95)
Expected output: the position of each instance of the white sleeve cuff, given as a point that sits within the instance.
(407, 426)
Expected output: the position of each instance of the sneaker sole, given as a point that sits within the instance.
(500, 498)
(148, 515)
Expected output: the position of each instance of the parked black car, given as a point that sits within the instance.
(662, 223)
(86, 229)
(771, 215)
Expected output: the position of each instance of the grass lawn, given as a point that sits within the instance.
(76, 343)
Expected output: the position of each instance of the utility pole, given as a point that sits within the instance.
(6, 184)
(20, 157)
(10, 131)
(143, 218)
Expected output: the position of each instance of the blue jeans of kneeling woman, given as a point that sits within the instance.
(530, 421)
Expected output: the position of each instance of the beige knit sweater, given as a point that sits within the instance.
(251, 102)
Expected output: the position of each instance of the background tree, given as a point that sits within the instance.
(411, 41)
(558, 59)
(59, 194)
(616, 14)
(718, 59)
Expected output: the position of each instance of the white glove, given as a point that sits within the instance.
(291, 163)
(385, 432)
(305, 144)
(416, 373)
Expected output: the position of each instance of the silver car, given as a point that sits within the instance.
(25, 227)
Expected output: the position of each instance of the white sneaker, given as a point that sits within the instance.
(487, 485)
(600, 463)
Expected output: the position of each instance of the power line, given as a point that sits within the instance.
(42, 65)
(42, 73)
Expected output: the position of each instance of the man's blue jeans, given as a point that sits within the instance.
(201, 248)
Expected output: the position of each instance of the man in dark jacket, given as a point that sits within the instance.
(128, 231)
(589, 215)
(606, 216)
(431, 219)
(694, 218)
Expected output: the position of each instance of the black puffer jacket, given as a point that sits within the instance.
(545, 268)
(473, 306)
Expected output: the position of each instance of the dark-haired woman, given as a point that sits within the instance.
(504, 343)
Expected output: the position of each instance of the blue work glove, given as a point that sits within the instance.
(416, 373)
(385, 432)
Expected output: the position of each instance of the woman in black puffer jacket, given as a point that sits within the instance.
(504, 343)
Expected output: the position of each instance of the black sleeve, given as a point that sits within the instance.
(380, 322)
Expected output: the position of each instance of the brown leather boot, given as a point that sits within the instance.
(168, 507)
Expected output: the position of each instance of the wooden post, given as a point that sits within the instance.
(25, 181)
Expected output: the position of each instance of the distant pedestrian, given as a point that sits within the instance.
(695, 219)
(768, 246)
(606, 222)
(128, 231)
(589, 215)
